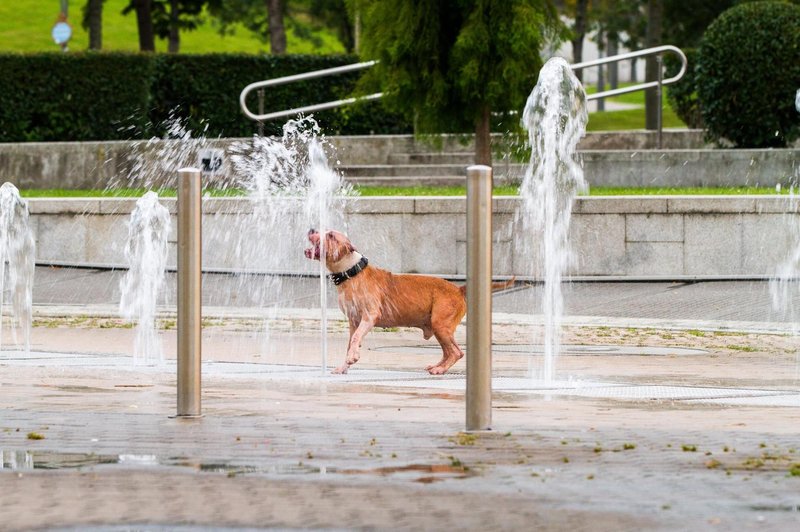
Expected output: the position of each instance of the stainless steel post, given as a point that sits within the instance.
(479, 298)
(189, 291)
(261, 112)
(659, 117)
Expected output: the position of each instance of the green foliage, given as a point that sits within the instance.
(116, 96)
(443, 62)
(748, 69)
(25, 27)
(58, 97)
(684, 27)
(682, 96)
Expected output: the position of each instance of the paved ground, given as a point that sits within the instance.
(282, 447)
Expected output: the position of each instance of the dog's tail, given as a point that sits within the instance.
(496, 287)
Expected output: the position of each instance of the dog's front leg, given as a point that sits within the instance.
(354, 346)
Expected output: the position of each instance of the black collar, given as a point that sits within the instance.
(340, 277)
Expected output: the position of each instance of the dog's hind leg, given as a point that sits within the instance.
(444, 320)
(451, 353)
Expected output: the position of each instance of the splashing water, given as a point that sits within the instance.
(292, 188)
(289, 189)
(783, 285)
(146, 256)
(555, 117)
(17, 260)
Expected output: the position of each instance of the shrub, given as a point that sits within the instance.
(114, 96)
(748, 70)
(682, 96)
(56, 96)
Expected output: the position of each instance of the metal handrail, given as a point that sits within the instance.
(303, 77)
(657, 50)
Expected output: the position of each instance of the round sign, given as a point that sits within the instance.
(61, 32)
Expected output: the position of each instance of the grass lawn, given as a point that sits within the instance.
(504, 190)
(630, 118)
(25, 27)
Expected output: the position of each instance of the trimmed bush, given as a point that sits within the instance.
(112, 96)
(682, 96)
(748, 71)
(56, 96)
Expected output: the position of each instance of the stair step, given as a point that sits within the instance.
(432, 158)
(408, 181)
(416, 170)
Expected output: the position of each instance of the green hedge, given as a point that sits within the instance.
(50, 97)
(115, 96)
(682, 96)
(748, 70)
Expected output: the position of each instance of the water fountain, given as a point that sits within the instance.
(291, 188)
(146, 258)
(17, 259)
(555, 117)
(288, 187)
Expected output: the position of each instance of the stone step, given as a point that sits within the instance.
(416, 170)
(462, 158)
(408, 181)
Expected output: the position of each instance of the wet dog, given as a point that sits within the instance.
(372, 297)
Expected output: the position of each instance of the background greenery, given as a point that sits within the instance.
(25, 27)
(118, 96)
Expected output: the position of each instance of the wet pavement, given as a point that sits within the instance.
(676, 410)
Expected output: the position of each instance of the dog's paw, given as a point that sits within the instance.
(437, 370)
(341, 370)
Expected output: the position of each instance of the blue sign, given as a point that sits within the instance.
(61, 33)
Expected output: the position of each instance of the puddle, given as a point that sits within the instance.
(431, 472)
(566, 349)
(36, 460)
(776, 508)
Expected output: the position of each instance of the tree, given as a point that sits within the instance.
(144, 22)
(336, 15)
(93, 23)
(448, 64)
(170, 17)
(277, 32)
(655, 9)
(263, 17)
(579, 34)
(685, 27)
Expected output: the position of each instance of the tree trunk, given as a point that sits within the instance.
(601, 69)
(483, 138)
(634, 76)
(655, 10)
(613, 68)
(581, 7)
(144, 21)
(174, 41)
(277, 33)
(94, 15)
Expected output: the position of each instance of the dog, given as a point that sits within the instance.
(372, 297)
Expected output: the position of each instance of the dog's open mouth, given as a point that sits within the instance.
(313, 252)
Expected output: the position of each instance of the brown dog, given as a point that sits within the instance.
(371, 297)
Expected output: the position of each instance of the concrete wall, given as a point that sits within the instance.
(611, 236)
(74, 165)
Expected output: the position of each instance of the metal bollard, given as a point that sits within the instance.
(479, 298)
(189, 291)
(659, 92)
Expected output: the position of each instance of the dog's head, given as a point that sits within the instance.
(337, 247)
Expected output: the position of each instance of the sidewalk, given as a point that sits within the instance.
(281, 446)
